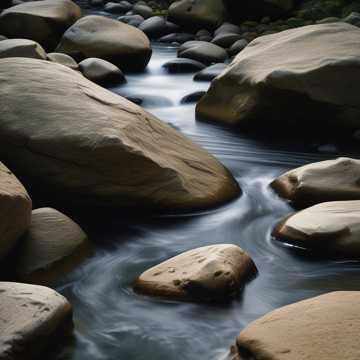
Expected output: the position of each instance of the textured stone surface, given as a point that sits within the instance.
(21, 48)
(88, 145)
(32, 318)
(329, 180)
(53, 246)
(327, 228)
(42, 21)
(15, 210)
(321, 328)
(303, 79)
(210, 273)
(97, 36)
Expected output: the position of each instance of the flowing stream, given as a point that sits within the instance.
(114, 323)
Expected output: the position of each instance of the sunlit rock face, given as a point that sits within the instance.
(210, 274)
(303, 79)
(329, 180)
(42, 21)
(322, 328)
(87, 145)
(15, 210)
(32, 319)
(330, 228)
(21, 48)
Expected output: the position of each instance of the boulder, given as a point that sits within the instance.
(210, 73)
(182, 66)
(88, 145)
(210, 273)
(53, 246)
(144, 10)
(196, 14)
(154, 27)
(42, 21)
(101, 71)
(133, 20)
(328, 180)
(108, 39)
(33, 318)
(204, 52)
(63, 59)
(314, 68)
(15, 210)
(257, 9)
(21, 48)
(321, 328)
(327, 228)
(226, 40)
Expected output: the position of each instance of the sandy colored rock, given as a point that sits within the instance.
(97, 36)
(42, 21)
(210, 273)
(327, 228)
(32, 319)
(197, 13)
(321, 328)
(88, 145)
(101, 71)
(15, 210)
(53, 246)
(63, 59)
(21, 48)
(329, 180)
(303, 79)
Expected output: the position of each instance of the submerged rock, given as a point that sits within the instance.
(15, 210)
(108, 39)
(53, 246)
(210, 273)
(322, 181)
(88, 145)
(197, 13)
(32, 319)
(21, 48)
(101, 71)
(303, 79)
(42, 21)
(327, 228)
(321, 328)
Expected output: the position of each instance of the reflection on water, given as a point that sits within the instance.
(114, 323)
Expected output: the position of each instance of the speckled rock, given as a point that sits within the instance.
(115, 154)
(32, 319)
(321, 328)
(15, 210)
(210, 273)
(328, 180)
(53, 246)
(330, 228)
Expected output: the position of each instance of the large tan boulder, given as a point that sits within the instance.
(42, 21)
(99, 37)
(53, 246)
(301, 79)
(32, 319)
(327, 228)
(88, 145)
(21, 48)
(196, 14)
(15, 210)
(210, 273)
(328, 180)
(321, 328)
